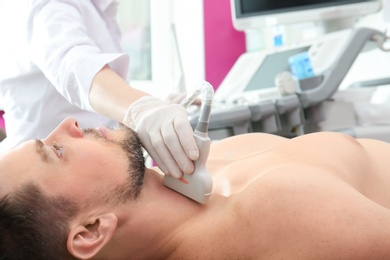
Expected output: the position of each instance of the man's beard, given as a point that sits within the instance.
(131, 145)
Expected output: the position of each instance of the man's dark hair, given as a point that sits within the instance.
(33, 225)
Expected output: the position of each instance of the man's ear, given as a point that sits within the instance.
(86, 240)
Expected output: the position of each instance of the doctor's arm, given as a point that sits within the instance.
(163, 127)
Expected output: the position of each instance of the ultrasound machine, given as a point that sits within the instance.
(282, 89)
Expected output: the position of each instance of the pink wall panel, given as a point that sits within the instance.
(223, 44)
(2, 120)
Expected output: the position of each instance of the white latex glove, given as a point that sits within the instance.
(176, 98)
(165, 132)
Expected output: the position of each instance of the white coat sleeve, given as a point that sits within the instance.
(62, 44)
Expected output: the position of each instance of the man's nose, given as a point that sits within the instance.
(68, 127)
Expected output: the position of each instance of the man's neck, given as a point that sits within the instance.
(154, 224)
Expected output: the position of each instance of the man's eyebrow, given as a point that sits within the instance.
(40, 147)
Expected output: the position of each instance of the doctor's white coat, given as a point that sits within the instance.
(47, 74)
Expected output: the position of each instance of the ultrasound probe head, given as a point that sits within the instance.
(198, 185)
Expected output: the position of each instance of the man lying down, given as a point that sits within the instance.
(86, 195)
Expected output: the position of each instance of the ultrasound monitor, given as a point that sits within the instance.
(255, 14)
(254, 73)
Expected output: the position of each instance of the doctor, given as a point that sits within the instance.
(71, 64)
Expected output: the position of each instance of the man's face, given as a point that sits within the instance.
(77, 164)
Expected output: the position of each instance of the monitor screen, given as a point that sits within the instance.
(253, 14)
(272, 65)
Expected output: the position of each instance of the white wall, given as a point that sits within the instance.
(187, 17)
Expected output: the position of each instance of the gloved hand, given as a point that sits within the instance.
(177, 98)
(166, 134)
